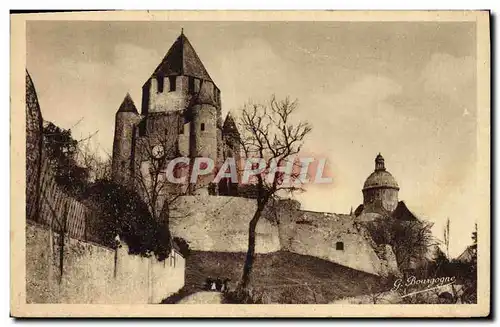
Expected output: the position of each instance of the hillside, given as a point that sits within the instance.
(284, 277)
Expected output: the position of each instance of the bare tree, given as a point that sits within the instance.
(447, 237)
(469, 291)
(412, 240)
(98, 168)
(376, 295)
(269, 135)
(150, 176)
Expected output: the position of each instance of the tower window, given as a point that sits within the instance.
(202, 126)
(339, 246)
(172, 80)
(191, 85)
(160, 83)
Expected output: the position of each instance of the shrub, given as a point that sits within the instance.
(410, 240)
(61, 149)
(183, 246)
(243, 296)
(124, 213)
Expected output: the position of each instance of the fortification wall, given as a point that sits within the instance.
(220, 223)
(330, 237)
(83, 272)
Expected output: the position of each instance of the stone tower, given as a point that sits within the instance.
(181, 82)
(126, 119)
(231, 149)
(231, 137)
(180, 110)
(380, 191)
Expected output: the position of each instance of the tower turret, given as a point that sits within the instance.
(231, 149)
(126, 119)
(231, 137)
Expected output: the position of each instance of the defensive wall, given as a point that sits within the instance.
(69, 270)
(220, 223)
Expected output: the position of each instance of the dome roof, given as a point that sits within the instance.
(380, 178)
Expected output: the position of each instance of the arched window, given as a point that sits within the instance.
(339, 246)
(202, 126)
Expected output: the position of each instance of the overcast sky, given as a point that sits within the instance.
(407, 90)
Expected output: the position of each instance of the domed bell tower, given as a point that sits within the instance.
(380, 191)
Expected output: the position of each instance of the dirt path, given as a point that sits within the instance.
(202, 298)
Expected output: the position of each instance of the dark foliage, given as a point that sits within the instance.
(124, 213)
(243, 296)
(465, 272)
(440, 266)
(61, 149)
(470, 272)
(410, 239)
(183, 246)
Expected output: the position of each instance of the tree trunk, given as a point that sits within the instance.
(247, 268)
(166, 225)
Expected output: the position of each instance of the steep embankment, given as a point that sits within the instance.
(283, 277)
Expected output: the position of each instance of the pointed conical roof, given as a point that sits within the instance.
(181, 59)
(128, 105)
(229, 124)
(403, 213)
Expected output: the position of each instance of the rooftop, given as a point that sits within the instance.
(182, 59)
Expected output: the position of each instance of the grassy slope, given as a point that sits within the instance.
(282, 276)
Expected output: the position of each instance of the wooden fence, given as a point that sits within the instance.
(57, 209)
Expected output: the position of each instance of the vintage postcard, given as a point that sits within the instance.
(250, 164)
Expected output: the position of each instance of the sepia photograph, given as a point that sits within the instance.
(256, 161)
